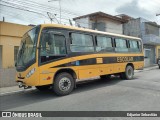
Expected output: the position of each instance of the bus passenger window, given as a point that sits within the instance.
(140, 46)
(121, 45)
(81, 43)
(104, 44)
(134, 46)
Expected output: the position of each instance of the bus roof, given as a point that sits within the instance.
(88, 30)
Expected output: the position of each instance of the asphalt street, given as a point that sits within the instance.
(140, 94)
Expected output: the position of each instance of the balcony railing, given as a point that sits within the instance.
(151, 39)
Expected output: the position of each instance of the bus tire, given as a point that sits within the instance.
(128, 74)
(43, 88)
(63, 84)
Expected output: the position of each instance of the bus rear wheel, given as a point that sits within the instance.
(63, 84)
(128, 74)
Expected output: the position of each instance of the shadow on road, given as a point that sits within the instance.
(34, 96)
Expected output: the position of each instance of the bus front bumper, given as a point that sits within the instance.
(22, 85)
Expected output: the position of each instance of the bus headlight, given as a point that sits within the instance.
(30, 72)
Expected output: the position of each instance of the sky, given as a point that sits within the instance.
(35, 12)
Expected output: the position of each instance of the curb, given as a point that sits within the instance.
(146, 69)
(16, 91)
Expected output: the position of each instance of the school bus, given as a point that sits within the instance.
(53, 56)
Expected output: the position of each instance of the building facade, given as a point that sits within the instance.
(150, 34)
(10, 37)
(101, 21)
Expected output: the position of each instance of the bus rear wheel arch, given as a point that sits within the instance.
(129, 72)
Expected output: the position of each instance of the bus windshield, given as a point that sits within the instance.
(27, 50)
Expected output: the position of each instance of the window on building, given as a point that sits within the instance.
(121, 45)
(16, 48)
(104, 44)
(81, 43)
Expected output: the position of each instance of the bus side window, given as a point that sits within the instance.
(140, 46)
(104, 44)
(134, 46)
(121, 45)
(53, 46)
(81, 43)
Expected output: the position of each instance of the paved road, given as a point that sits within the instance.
(140, 94)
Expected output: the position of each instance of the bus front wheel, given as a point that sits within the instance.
(63, 84)
(128, 74)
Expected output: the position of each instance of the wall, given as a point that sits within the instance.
(7, 77)
(109, 25)
(10, 36)
(113, 26)
(0, 56)
(132, 28)
(83, 22)
(150, 29)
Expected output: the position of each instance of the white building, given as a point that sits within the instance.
(101, 21)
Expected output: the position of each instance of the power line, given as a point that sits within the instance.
(23, 9)
(39, 9)
(40, 6)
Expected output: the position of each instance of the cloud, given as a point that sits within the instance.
(133, 9)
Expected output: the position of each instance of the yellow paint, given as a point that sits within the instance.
(158, 47)
(10, 36)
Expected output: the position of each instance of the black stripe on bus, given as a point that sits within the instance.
(105, 60)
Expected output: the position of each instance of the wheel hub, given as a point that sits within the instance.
(64, 84)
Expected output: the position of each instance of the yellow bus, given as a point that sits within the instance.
(53, 56)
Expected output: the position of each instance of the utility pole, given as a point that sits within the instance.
(59, 8)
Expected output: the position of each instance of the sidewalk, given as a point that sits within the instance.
(147, 68)
(15, 89)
